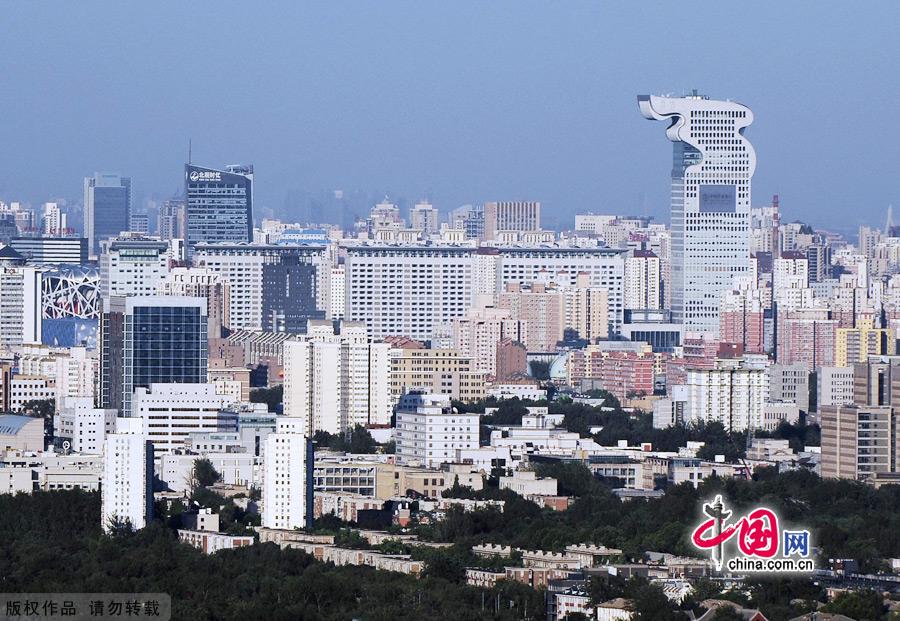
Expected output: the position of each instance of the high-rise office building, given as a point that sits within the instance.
(289, 295)
(219, 206)
(132, 266)
(711, 171)
(151, 340)
(107, 208)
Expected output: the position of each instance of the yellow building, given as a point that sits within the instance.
(436, 371)
(854, 345)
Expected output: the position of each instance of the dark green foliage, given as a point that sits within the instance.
(356, 440)
(272, 397)
(509, 412)
(727, 613)
(848, 519)
(204, 473)
(798, 436)
(539, 370)
(51, 542)
(859, 605)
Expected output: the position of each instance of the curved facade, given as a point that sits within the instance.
(71, 291)
(712, 166)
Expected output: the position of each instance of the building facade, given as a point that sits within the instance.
(713, 164)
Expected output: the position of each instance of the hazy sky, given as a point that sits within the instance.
(465, 101)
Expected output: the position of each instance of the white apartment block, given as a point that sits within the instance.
(83, 425)
(642, 280)
(20, 305)
(407, 290)
(835, 386)
(132, 266)
(172, 412)
(241, 264)
(733, 393)
(710, 199)
(337, 299)
(336, 380)
(71, 371)
(287, 493)
(25, 388)
(127, 493)
(430, 432)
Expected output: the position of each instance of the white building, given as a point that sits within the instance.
(642, 280)
(527, 483)
(835, 386)
(287, 492)
(430, 432)
(336, 380)
(407, 290)
(425, 217)
(83, 425)
(20, 302)
(733, 393)
(176, 469)
(173, 411)
(127, 476)
(337, 299)
(713, 166)
(132, 266)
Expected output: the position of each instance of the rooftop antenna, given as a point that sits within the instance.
(189, 150)
(889, 223)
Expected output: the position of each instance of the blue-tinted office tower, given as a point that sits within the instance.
(219, 206)
(107, 208)
(151, 339)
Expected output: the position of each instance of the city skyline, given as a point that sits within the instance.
(380, 103)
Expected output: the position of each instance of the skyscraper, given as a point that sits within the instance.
(289, 295)
(107, 208)
(711, 171)
(151, 340)
(219, 205)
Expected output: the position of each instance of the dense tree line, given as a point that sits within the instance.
(848, 519)
(51, 542)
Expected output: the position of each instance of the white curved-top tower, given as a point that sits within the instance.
(711, 171)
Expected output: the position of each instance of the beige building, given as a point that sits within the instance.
(436, 371)
(511, 216)
(541, 308)
(21, 433)
(201, 282)
(859, 442)
(586, 309)
(395, 480)
(476, 335)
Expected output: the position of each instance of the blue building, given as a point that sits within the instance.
(219, 206)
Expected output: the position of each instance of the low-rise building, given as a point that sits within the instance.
(431, 432)
(527, 483)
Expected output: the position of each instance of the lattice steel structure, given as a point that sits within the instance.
(71, 291)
